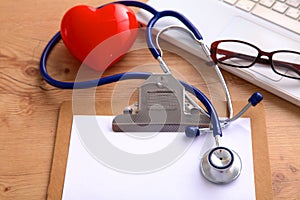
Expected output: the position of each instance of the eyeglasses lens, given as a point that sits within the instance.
(236, 54)
(287, 63)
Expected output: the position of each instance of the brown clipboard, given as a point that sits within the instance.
(263, 184)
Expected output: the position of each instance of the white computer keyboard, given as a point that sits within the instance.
(285, 13)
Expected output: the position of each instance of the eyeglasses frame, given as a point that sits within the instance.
(258, 59)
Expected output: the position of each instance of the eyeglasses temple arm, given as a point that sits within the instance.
(231, 54)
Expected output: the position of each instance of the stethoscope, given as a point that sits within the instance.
(219, 165)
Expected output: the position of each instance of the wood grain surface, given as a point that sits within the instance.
(29, 106)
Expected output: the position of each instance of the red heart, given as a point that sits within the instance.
(99, 37)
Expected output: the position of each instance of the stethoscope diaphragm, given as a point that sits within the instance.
(221, 165)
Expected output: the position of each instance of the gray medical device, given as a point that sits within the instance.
(161, 107)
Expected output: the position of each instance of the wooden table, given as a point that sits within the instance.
(29, 106)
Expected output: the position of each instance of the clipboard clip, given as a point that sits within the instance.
(162, 107)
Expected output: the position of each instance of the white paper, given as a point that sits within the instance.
(89, 178)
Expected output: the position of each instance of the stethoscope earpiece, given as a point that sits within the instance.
(221, 165)
(192, 131)
(256, 97)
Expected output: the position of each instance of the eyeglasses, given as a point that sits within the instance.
(236, 53)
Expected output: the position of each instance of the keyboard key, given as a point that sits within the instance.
(280, 7)
(230, 1)
(267, 3)
(245, 5)
(294, 3)
(277, 18)
(293, 13)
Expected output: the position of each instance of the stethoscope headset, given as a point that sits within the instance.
(219, 165)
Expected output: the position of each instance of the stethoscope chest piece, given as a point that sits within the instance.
(221, 165)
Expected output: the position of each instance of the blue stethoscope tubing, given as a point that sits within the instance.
(217, 130)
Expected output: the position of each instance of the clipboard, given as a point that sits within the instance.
(262, 173)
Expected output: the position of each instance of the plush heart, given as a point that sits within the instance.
(99, 37)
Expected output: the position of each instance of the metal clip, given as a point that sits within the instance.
(161, 108)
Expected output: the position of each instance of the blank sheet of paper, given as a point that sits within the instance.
(88, 177)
